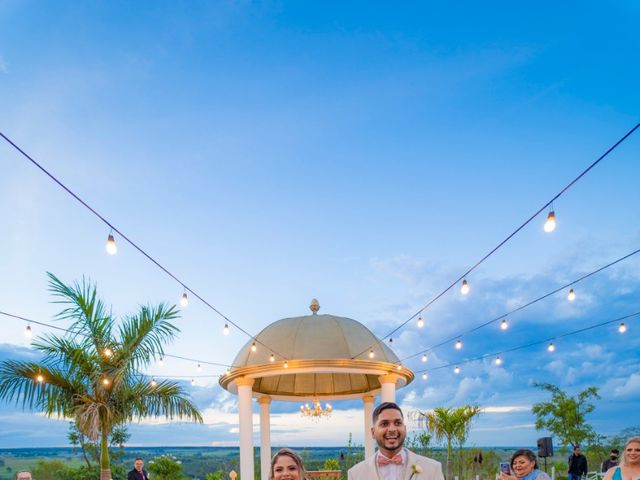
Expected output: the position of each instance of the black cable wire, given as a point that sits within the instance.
(526, 222)
(133, 244)
(521, 307)
(66, 330)
(531, 344)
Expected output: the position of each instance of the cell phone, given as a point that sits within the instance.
(505, 467)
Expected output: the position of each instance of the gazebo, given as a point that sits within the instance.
(312, 357)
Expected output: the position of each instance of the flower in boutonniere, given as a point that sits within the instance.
(415, 469)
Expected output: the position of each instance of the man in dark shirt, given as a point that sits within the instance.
(138, 473)
(577, 465)
(612, 461)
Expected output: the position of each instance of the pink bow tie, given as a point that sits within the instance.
(396, 459)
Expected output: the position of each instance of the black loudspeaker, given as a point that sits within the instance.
(545, 447)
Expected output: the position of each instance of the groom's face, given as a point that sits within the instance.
(389, 431)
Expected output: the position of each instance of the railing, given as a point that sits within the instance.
(324, 474)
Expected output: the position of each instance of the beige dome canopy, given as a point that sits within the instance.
(326, 357)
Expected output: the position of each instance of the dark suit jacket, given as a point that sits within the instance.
(135, 475)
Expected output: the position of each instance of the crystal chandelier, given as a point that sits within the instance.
(315, 411)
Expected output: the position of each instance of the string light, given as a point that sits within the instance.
(504, 324)
(184, 300)
(464, 289)
(111, 245)
(106, 381)
(371, 353)
(424, 358)
(39, 378)
(550, 224)
(425, 376)
(399, 367)
(622, 328)
(390, 340)
(456, 370)
(551, 347)
(420, 322)
(571, 296)
(498, 360)
(272, 358)
(28, 332)
(286, 364)
(153, 383)
(458, 344)
(225, 330)
(107, 352)
(254, 348)
(161, 362)
(199, 367)
(227, 371)
(193, 381)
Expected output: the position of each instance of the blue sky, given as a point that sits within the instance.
(363, 154)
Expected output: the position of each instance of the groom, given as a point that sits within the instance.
(392, 461)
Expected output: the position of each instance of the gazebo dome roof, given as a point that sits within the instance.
(326, 357)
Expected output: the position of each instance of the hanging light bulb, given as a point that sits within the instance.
(225, 330)
(371, 353)
(458, 344)
(272, 358)
(199, 367)
(193, 381)
(420, 322)
(551, 347)
(456, 370)
(227, 371)
(504, 324)
(571, 296)
(390, 340)
(622, 328)
(464, 289)
(39, 378)
(498, 360)
(399, 367)
(254, 349)
(184, 300)
(550, 224)
(425, 376)
(107, 352)
(286, 364)
(28, 332)
(153, 382)
(424, 358)
(111, 245)
(161, 362)
(106, 381)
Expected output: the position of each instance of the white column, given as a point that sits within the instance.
(246, 427)
(388, 384)
(368, 412)
(265, 438)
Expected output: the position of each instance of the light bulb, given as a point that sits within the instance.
(571, 296)
(108, 352)
(456, 370)
(464, 289)
(425, 376)
(39, 378)
(161, 362)
(193, 381)
(622, 328)
(225, 330)
(227, 371)
(550, 224)
(254, 349)
(153, 382)
(28, 332)
(504, 324)
(399, 367)
(424, 357)
(390, 340)
(551, 347)
(199, 367)
(286, 364)
(184, 300)
(458, 344)
(420, 322)
(272, 358)
(498, 360)
(371, 353)
(111, 245)
(106, 381)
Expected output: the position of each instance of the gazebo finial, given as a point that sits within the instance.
(315, 306)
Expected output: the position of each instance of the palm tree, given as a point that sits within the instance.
(92, 373)
(449, 424)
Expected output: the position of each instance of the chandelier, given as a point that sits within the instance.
(315, 411)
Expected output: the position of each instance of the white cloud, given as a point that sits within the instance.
(506, 409)
(631, 388)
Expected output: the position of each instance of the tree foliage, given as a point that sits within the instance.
(91, 374)
(166, 467)
(565, 416)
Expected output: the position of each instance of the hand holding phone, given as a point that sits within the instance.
(505, 468)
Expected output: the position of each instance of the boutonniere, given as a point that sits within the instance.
(415, 469)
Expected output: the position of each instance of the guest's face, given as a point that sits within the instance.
(632, 453)
(138, 464)
(522, 466)
(23, 476)
(285, 468)
(389, 431)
